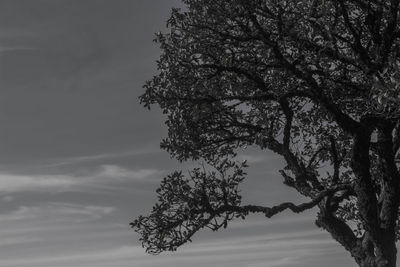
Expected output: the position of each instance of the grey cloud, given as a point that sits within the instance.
(104, 174)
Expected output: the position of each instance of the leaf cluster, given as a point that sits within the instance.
(186, 205)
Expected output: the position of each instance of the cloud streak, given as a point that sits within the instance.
(105, 174)
(99, 157)
(11, 183)
(4, 49)
(229, 252)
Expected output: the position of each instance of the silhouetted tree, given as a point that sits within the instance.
(315, 81)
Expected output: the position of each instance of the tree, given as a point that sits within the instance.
(315, 81)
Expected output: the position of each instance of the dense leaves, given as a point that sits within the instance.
(187, 205)
(385, 92)
(315, 81)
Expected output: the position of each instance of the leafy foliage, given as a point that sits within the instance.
(315, 81)
(386, 92)
(187, 205)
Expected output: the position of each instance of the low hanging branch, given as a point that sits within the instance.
(206, 199)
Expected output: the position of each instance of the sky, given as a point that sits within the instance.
(80, 157)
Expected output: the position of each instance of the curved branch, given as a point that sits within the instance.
(342, 233)
(271, 211)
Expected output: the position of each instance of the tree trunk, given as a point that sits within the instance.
(389, 253)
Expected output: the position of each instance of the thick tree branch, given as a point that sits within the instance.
(359, 48)
(271, 211)
(342, 233)
(335, 160)
(396, 138)
(389, 33)
(364, 188)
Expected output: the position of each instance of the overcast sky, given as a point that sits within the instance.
(80, 158)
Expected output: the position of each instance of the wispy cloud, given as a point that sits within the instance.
(103, 175)
(94, 257)
(57, 211)
(15, 240)
(229, 252)
(99, 157)
(269, 242)
(10, 183)
(4, 49)
(109, 171)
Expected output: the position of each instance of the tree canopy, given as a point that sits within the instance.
(315, 81)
